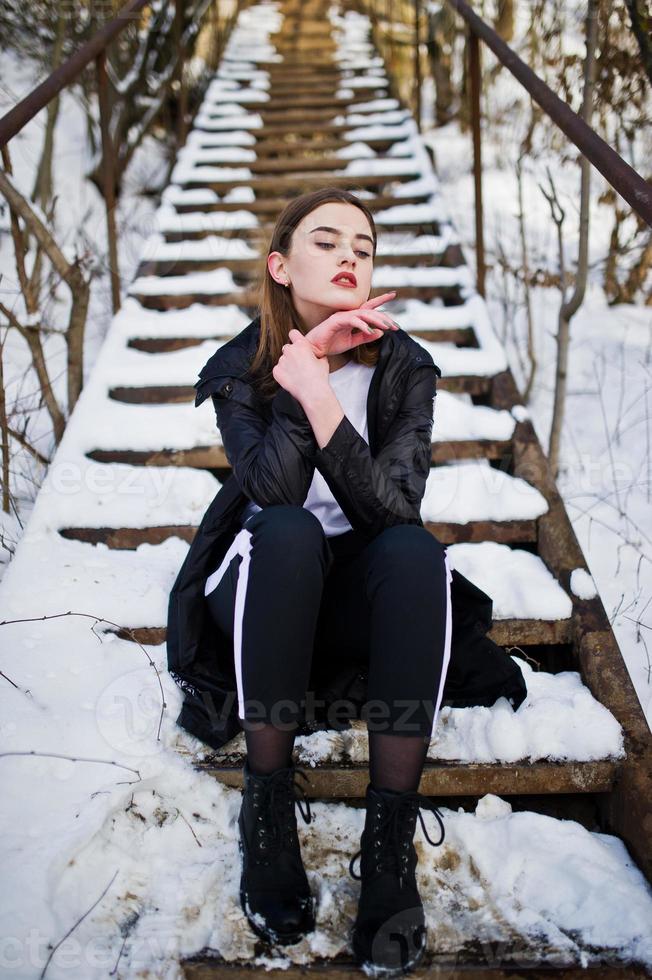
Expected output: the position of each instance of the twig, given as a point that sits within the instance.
(72, 928)
(70, 758)
(199, 843)
(100, 619)
(28, 446)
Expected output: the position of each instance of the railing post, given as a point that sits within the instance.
(417, 63)
(474, 95)
(182, 95)
(108, 178)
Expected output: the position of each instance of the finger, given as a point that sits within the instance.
(379, 300)
(379, 319)
(358, 322)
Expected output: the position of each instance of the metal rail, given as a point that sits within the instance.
(27, 108)
(623, 178)
(95, 50)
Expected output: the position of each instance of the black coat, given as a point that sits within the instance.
(273, 453)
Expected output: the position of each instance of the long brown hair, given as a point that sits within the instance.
(278, 314)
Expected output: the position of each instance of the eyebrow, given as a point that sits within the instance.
(336, 231)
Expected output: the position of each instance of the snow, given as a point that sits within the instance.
(247, 120)
(214, 282)
(457, 418)
(170, 221)
(518, 581)
(234, 137)
(195, 321)
(185, 173)
(359, 118)
(194, 154)
(472, 490)
(559, 721)
(214, 247)
(393, 276)
(201, 196)
(582, 584)
(379, 132)
(220, 92)
(604, 477)
(126, 818)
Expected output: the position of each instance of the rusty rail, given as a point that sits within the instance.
(14, 120)
(18, 117)
(623, 178)
(95, 51)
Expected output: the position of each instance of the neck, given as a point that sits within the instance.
(336, 361)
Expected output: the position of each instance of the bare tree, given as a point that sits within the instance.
(25, 217)
(525, 269)
(505, 19)
(640, 13)
(42, 193)
(569, 306)
(140, 84)
(4, 430)
(442, 31)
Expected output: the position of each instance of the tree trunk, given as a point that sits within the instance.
(75, 340)
(570, 307)
(42, 191)
(441, 36)
(4, 433)
(505, 19)
(640, 15)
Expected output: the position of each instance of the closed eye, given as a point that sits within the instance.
(365, 255)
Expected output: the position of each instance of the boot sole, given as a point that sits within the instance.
(271, 935)
(373, 969)
(387, 973)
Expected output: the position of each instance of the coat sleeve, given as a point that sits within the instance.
(273, 461)
(379, 492)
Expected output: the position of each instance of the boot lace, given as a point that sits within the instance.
(274, 801)
(391, 839)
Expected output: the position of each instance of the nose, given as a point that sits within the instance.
(347, 253)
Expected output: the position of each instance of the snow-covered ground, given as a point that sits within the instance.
(605, 473)
(108, 832)
(80, 223)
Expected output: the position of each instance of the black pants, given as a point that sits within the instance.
(285, 593)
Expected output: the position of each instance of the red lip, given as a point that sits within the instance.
(350, 279)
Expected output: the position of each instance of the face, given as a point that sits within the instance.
(333, 239)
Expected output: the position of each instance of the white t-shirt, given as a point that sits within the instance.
(351, 386)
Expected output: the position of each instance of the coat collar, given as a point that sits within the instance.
(234, 357)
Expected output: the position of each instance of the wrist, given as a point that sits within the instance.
(316, 346)
(318, 397)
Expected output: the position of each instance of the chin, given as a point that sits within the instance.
(349, 299)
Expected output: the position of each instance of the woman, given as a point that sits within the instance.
(343, 539)
(325, 409)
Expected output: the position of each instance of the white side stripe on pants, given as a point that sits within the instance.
(447, 644)
(241, 546)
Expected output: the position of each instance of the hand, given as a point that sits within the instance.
(298, 369)
(347, 329)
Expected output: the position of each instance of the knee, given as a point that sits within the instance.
(408, 546)
(288, 523)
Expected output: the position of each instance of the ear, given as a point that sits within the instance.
(276, 267)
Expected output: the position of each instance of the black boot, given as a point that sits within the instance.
(274, 890)
(389, 934)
